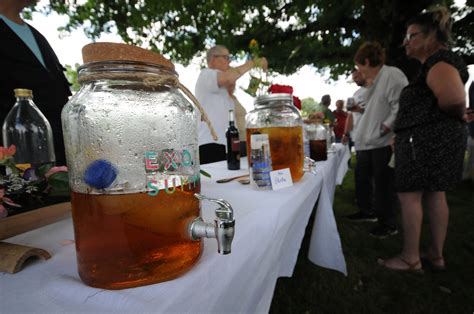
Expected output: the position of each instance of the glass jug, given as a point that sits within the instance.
(132, 154)
(275, 115)
(317, 135)
(27, 128)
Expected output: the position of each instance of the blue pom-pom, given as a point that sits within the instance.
(100, 174)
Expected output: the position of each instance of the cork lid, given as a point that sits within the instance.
(23, 92)
(105, 51)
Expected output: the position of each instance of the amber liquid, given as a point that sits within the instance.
(129, 240)
(286, 148)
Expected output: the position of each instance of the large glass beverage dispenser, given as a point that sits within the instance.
(132, 153)
(275, 115)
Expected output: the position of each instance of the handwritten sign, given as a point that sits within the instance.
(281, 179)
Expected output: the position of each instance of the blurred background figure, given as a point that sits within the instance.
(323, 107)
(340, 117)
(28, 61)
(355, 110)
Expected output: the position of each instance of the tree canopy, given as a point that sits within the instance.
(291, 33)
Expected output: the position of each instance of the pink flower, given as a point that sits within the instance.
(53, 170)
(6, 200)
(7, 152)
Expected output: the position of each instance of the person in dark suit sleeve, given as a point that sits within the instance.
(22, 68)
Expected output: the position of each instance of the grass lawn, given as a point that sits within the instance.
(369, 288)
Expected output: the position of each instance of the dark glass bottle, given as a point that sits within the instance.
(233, 144)
(27, 128)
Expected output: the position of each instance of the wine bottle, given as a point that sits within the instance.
(233, 144)
(27, 128)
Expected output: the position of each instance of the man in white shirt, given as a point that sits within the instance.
(356, 109)
(214, 89)
(373, 135)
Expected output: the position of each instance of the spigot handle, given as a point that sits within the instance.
(224, 212)
(223, 228)
(309, 165)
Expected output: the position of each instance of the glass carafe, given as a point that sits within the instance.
(317, 136)
(275, 115)
(27, 128)
(132, 154)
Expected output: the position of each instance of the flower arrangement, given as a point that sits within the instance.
(254, 48)
(258, 82)
(25, 189)
(286, 89)
(257, 79)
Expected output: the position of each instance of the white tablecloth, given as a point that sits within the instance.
(325, 246)
(269, 228)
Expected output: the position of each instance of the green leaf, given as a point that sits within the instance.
(41, 170)
(9, 163)
(290, 34)
(59, 183)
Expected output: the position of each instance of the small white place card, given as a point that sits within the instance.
(281, 178)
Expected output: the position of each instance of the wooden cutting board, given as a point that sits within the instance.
(11, 226)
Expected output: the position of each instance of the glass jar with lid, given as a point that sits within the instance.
(27, 128)
(317, 137)
(275, 115)
(132, 154)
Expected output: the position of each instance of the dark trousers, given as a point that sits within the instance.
(211, 152)
(374, 184)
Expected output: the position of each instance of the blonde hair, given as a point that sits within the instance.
(435, 21)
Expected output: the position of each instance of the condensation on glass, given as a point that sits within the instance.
(132, 153)
(275, 115)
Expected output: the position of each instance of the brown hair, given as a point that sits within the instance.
(371, 50)
(436, 20)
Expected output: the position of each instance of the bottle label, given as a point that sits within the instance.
(168, 169)
(261, 160)
(235, 145)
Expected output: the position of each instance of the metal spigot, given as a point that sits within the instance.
(222, 229)
(309, 165)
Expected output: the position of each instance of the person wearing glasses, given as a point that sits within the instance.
(430, 139)
(214, 90)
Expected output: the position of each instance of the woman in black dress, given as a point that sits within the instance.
(430, 138)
